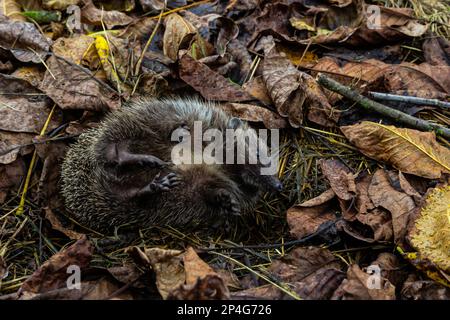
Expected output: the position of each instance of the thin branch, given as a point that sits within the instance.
(410, 99)
(386, 111)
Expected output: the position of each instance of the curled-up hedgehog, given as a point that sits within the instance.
(123, 173)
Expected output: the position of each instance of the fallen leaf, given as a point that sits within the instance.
(407, 150)
(75, 87)
(168, 267)
(357, 287)
(195, 267)
(341, 179)
(13, 144)
(53, 274)
(416, 289)
(24, 40)
(76, 49)
(24, 108)
(437, 51)
(306, 218)
(294, 92)
(254, 113)
(59, 4)
(430, 234)
(12, 9)
(210, 287)
(57, 225)
(211, 85)
(11, 176)
(92, 15)
(399, 204)
(178, 31)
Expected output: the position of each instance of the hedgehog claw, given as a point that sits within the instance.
(165, 183)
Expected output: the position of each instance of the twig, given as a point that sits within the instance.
(371, 105)
(410, 99)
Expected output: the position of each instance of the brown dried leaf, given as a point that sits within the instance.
(90, 14)
(399, 204)
(24, 40)
(76, 49)
(195, 267)
(437, 51)
(14, 143)
(24, 108)
(257, 89)
(416, 289)
(407, 150)
(52, 274)
(254, 113)
(341, 179)
(211, 85)
(306, 218)
(356, 287)
(312, 272)
(167, 264)
(59, 4)
(11, 176)
(380, 222)
(210, 287)
(75, 87)
(57, 225)
(177, 35)
(293, 92)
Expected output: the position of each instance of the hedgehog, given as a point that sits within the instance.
(122, 173)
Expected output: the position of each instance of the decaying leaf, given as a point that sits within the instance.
(76, 49)
(407, 150)
(210, 84)
(53, 273)
(24, 40)
(306, 218)
(92, 15)
(178, 33)
(13, 144)
(11, 176)
(399, 204)
(294, 92)
(430, 234)
(360, 286)
(255, 113)
(416, 289)
(75, 87)
(23, 107)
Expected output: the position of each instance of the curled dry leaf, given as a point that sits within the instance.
(57, 225)
(53, 274)
(24, 108)
(178, 33)
(24, 40)
(430, 234)
(357, 286)
(407, 150)
(75, 87)
(294, 92)
(211, 85)
(92, 15)
(255, 113)
(399, 204)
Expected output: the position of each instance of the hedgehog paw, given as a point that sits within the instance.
(228, 202)
(164, 183)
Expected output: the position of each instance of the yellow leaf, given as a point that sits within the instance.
(407, 150)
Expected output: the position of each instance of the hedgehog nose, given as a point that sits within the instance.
(278, 186)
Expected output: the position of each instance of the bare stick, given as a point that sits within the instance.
(410, 99)
(394, 114)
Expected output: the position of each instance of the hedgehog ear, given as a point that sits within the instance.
(235, 123)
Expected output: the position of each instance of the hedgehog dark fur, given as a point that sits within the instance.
(119, 173)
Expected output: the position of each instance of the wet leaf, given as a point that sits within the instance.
(255, 113)
(407, 150)
(357, 286)
(11, 177)
(24, 40)
(306, 218)
(210, 84)
(294, 92)
(53, 274)
(75, 87)
(399, 204)
(92, 15)
(430, 234)
(177, 35)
